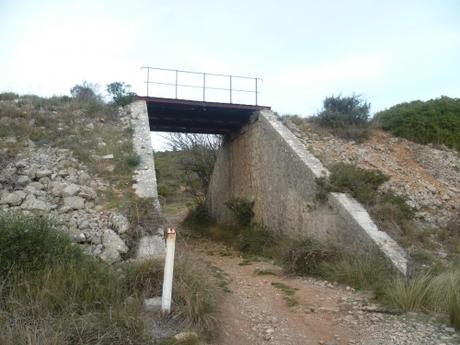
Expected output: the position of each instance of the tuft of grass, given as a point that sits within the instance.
(446, 294)
(289, 293)
(409, 294)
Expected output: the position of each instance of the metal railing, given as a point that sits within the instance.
(203, 86)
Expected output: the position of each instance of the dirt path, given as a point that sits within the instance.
(257, 310)
(261, 305)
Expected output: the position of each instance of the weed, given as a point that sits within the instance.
(289, 293)
(242, 210)
(265, 272)
(304, 257)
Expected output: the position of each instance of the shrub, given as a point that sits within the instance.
(32, 243)
(242, 210)
(256, 239)
(436, 121)
(362, 184)
(84, 92)
(304, 257)
(8, 96)
(119, 91)
(346, 117)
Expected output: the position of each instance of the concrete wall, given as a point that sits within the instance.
(266, 163)
(145, 181)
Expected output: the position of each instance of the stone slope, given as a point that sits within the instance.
(428, 177)
(62, 159)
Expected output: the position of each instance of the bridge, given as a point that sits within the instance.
(264, 162)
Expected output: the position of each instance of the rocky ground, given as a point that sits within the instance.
(52, 182)
(429, 177)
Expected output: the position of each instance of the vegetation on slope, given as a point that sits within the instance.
(345, 117)
(52, 293)
(436, 121)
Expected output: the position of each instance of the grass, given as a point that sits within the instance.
(288, 293)
(52, 293)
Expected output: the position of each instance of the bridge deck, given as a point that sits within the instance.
(177, 115)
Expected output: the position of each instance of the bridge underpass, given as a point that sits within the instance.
(267, 164)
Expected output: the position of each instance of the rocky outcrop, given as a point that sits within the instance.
(52, 182)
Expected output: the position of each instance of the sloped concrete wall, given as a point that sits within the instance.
(266, 163)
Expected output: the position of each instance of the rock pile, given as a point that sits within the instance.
(428, 177)
(52, 182)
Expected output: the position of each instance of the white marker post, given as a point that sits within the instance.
(169, 271)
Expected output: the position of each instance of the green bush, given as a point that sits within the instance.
(436, 121)
(346, 117)
(32, 243)
(242, 210)
(362, 184)
(256, 239)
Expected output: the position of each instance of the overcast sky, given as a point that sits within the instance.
(389, 51)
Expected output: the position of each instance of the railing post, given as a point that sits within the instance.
(204, 87)
(177, 72)
(148, 71)
(230, 89)
(256, 90)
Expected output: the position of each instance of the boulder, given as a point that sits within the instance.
(43, 172)
(31, 203)
(84, 179)
(23, 180)
(111, 240)
(110, 255)
(13, 199)
(87, 193)
(74, 202)
(118, 222)
(56, 188)
(71, 189)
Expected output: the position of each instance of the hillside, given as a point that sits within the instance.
(70, 223)
(427, 177)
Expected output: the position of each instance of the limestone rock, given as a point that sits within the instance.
(23, 180)
(111, 240)
(31, 203)
(71, 190)
(119, 222)
(110, 256)
(74, 202)
(13, 199)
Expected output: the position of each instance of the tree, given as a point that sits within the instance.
(198, 163)
(83, 92)
(119, 91)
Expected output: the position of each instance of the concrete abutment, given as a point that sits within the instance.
(266, 163)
